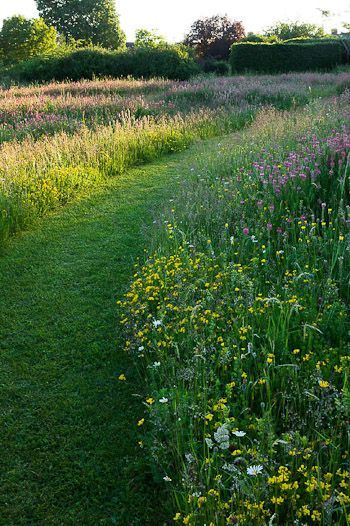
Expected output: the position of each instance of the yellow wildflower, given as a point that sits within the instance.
(323, 384)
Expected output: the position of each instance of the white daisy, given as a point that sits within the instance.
(255, 470)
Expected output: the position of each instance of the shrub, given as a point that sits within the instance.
(172, 62)
(273, 58)
(220, 67)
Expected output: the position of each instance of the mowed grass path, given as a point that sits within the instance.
(68, 443)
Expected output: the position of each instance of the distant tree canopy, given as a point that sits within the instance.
(146, 39)
(288, 30)
(212, 37)
(22, 38)
(92, 21)
(256, 37)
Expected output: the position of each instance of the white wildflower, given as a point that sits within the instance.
(255, 470)
(239, 433)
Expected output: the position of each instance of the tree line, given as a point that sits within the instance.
(81, 23)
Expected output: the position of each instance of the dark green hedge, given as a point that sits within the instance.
(172, 62)
(277, 58)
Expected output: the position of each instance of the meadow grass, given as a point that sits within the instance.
(40, 176)
(240, 324)
(62, 140)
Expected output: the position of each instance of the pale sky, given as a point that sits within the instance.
(173, 19)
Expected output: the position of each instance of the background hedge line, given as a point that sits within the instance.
(172, 62)
(293, 56)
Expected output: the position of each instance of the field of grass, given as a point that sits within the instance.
(215, 391)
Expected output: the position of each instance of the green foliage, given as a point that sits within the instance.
(93, 21)
(172, 62)
(22, 38)
(256, 37)
(273, 58)
(220, 67)
(212, 37)
(148, 39)
(287, 30)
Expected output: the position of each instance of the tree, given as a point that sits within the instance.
(93, 21)
(257, 38)
(22, 38)
(149, 39)
(212, 37)
(254, 37)
(288, 30)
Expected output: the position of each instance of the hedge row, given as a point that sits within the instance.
(277, 58)
(172, 62)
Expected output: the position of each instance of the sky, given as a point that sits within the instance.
(173, 19)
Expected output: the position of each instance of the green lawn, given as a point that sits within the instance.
(69, 452)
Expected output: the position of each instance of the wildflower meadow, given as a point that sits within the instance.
(239, 322)
(59, 140)
(209, 384)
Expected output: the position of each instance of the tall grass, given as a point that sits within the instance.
(48, 109)
(39, 176)
(65, 139)
(240, 325)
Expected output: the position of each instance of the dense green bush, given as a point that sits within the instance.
(173, 62)
(219, 67)
(274, 58)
